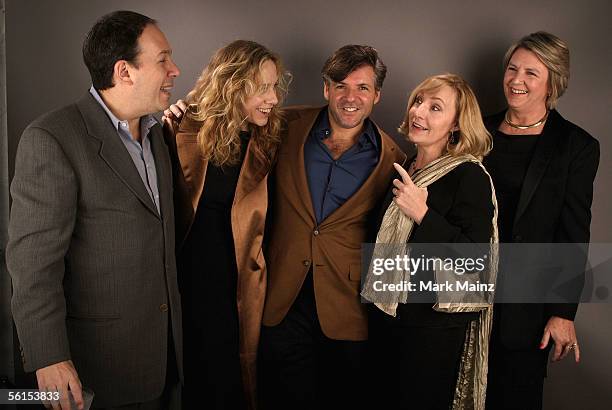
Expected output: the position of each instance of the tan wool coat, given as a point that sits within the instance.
(248, 215)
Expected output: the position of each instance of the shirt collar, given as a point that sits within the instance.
(146, 123)
(322, 129)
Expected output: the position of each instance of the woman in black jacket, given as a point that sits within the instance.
(422, 350)
(543, 167)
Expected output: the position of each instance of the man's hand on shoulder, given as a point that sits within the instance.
(61, 377)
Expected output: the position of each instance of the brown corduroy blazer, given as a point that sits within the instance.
(333, 248)
(248, 216)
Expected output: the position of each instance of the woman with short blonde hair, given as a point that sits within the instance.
(432, 350)
(543, 167)
(554, 54)
(472, 137)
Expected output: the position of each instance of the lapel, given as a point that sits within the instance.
(251, 174)
(192, 161)
(112, 151)
(542, 155)
(299, 129)
(164, 170)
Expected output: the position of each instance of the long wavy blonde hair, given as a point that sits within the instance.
(218, 98)
(473, 137)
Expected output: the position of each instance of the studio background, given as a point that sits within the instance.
(40, 49)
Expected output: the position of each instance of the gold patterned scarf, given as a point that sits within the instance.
(393, 235)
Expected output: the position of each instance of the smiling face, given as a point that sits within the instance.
(257, 107)
(153, 74)
(526, 82)
(432, 117)
(352, 99)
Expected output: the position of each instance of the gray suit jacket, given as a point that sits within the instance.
(91, 259)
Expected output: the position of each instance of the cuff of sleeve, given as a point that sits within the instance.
(48, 361)
(41, 351)
(562, 310)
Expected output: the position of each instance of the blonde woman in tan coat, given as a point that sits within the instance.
(223, 151)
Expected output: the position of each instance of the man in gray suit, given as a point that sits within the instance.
(91, 234)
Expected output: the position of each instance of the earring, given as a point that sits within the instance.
(453, 139)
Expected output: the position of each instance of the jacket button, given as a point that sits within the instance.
(306, 262)
(163, 307)
(518, 238)
(316, 232)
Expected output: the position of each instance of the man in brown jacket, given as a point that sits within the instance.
(333, 167)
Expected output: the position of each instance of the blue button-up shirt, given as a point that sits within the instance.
(333, 182)
(141, 152)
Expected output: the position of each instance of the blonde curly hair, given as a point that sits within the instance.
(218, 98)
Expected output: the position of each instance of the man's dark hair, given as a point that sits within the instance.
(351, 57)
(114, 37)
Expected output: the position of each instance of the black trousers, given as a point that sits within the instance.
(213, 378)
(516, 377)
(301, 368)
(420, 363)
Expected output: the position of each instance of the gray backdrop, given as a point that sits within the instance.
(6, 331)
(415, 39)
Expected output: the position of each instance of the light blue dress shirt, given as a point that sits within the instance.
(141, 152)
